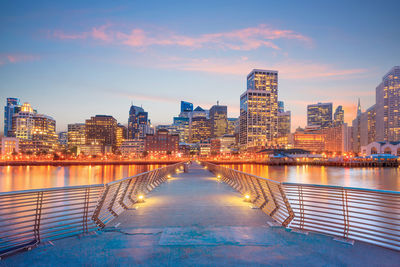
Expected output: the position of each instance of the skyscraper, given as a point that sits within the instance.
(218, 120)
(281, 106)
(387, 107)
(12, 107)
(102, 130)
(138, 123)
(186, 106)
(338, 116)
(259, 110)
(76, 135)
(200, 129)
(319, 114)
(36, 132)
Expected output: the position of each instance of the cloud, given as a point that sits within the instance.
(16, 58)
(292, 70)
(242, 39)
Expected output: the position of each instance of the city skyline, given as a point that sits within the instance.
(96, 60)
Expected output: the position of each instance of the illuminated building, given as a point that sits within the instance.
(133, 147)
(310, 139)
(102, 130)
(218, 120)
(232, 125)
(392, 148)
(223, 145)
(36, 132)
(12, 107)
(281, 106)
(120, 134)
(138, 123)
(388, 107)
(259, 110)
(162, 143)
(62, 140)
(337, 139)
(181, 125)
(9, 145)
(200, 129)
(364, 128)
(338, 116)
(319, 114)
(204, 148)
(76, 135)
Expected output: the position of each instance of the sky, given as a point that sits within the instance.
(74, 59)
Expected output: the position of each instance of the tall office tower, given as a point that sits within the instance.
(76, 135)
(388, 107)
(186, 108)
(181, 125)
(338, 116)
(359, 108)
(138, 123)
(232, 122)
(12, 107)
(102, 130)
(36, 132)
(367, 126)
(284, 121)
(121, 134)
(200, 129)
(319, 114)
(219, 120)
(259, 110)
(281, 106)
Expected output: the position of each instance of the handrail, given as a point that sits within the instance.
(367, 215)
(29, 217)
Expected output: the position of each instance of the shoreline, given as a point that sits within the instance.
(84, 163)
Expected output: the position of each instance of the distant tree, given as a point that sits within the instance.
(145, 153)
(56, 156)
(29, 153)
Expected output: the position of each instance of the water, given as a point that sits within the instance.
(373, 178)
(14, 178)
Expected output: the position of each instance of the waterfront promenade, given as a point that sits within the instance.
(194, 220)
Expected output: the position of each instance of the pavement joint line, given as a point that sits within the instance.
(118, 224)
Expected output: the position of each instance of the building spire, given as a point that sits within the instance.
(359, 108)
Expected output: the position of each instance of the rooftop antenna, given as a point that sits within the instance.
(217, 102)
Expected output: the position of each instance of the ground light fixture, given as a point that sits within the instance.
(247, 198)
(140, 198)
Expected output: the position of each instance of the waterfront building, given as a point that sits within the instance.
(36, 132)
(392, 148)
(259, 110)
(62, 140)
(12, 107)
(162, 143)
(102, 130)
(387, 107)
(310, 139)
(223, 145)
(133, 147)
(91, 149)
(337, 139)
(76, 135)
(121, 134)
(9, 145)
(319, 114)
(138, 123)
(338, 116)
(204, 148)
(200, 129)
(218, 120)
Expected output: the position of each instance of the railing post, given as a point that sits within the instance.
(345, 214)
(301, 206)
(96, 213)
(110, 206)
(38, 215)
(288, 207)
(85, 210)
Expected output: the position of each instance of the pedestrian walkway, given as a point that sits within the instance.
(194, 220)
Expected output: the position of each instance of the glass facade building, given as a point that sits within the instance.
(12, 107)
(259, 110)
(219, 120)
(319, 114)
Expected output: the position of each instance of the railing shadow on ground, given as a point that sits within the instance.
(367, 215)
(30, 217)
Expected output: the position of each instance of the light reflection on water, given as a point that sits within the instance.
(374, 178)
(14, 178)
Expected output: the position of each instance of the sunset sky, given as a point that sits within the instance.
(73, 60)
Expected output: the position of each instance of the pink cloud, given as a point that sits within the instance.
(15, 58)
(242, 39)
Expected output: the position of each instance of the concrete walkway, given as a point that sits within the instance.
(192, 220)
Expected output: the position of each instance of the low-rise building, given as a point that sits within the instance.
(392, 148)
(162, 143)
(133, 147)
(9, 145)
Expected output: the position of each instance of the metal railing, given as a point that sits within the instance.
(119, 195)
(367, 215)
(33, 216)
